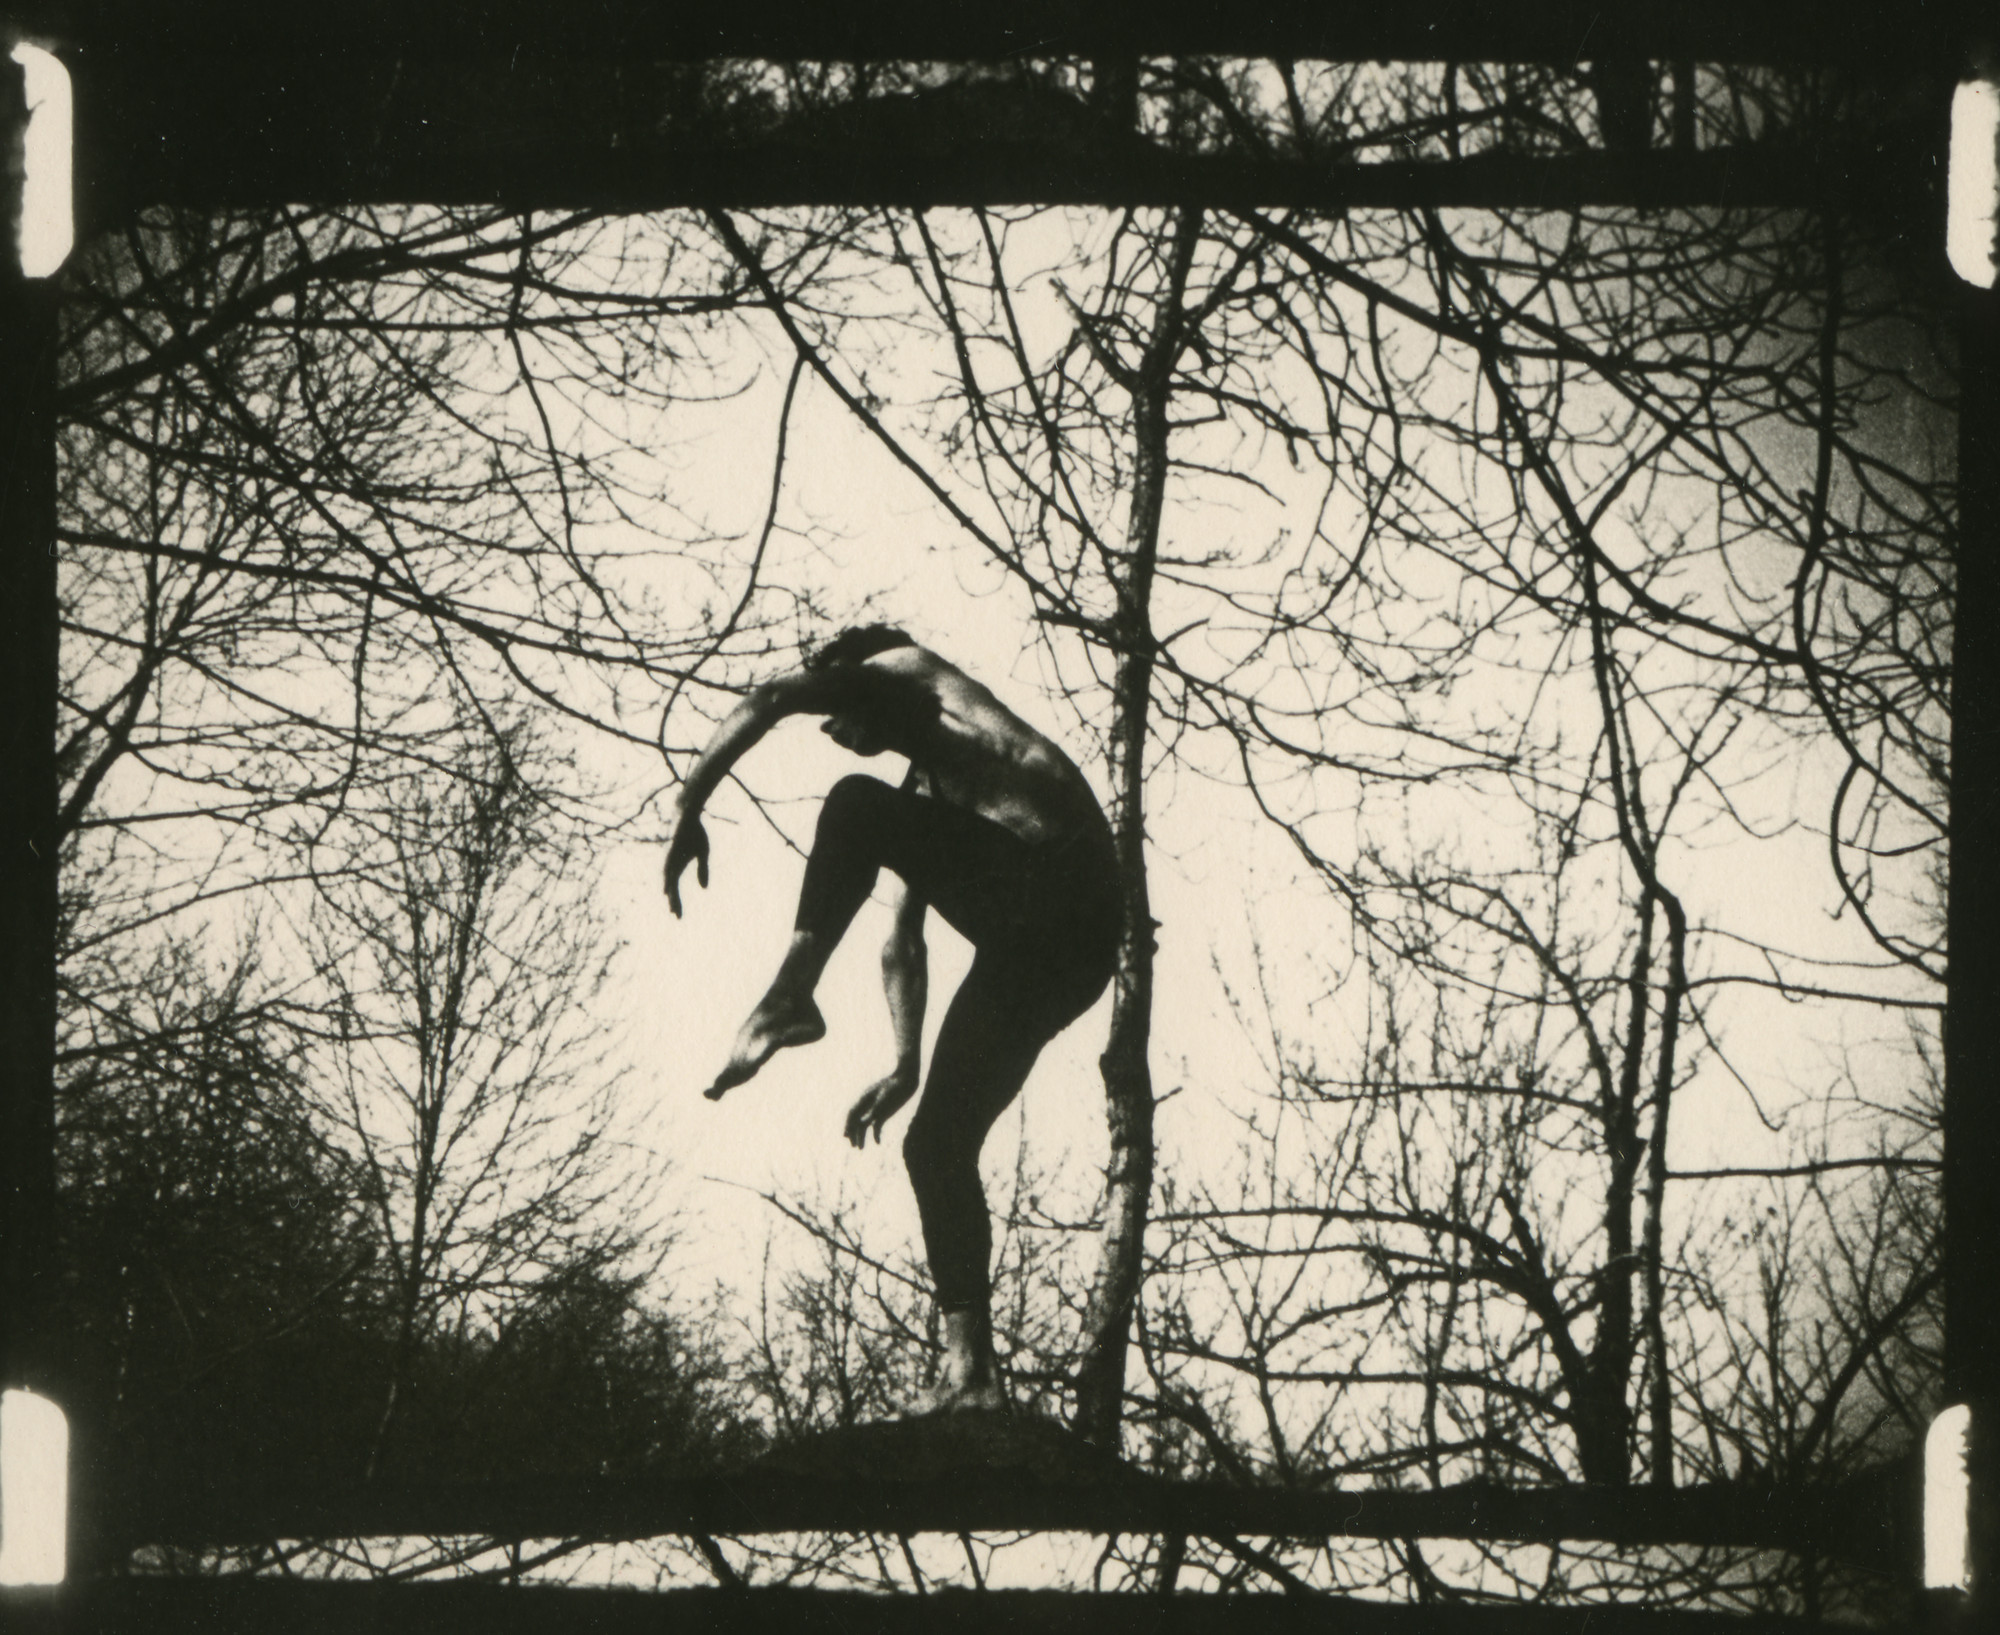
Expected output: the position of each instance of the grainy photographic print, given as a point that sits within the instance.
(864, 821)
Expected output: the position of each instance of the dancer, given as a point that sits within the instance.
(996, 829)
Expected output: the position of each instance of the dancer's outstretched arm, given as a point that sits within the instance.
(906, 982)
(797, 692)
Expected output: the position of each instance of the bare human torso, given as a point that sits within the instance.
(974, 752)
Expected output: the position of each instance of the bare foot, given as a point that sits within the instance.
(950, 1396)
(773, 1026)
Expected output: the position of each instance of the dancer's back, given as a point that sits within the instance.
(974, 752)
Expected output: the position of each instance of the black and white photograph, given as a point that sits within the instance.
(991, 818)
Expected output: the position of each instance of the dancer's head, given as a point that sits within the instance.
(855, 643)
(858, 728)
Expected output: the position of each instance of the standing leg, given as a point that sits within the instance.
(989, 1040)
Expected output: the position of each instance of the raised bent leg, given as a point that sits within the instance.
(955, 858)
(847, 854)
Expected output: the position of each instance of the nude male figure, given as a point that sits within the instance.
(996, 829)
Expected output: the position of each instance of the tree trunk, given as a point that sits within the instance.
(1660, 1404)
(1604, 1417)
(1128, 1082)
(1603, 1413)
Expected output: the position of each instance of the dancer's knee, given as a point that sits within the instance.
(938, 1158)
(920, 1153)
(854, 804)
(857, 790)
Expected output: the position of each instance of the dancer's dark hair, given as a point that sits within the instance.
(855, 643)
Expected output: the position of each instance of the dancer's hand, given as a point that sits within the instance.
(689, 845)
(879, 1103)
